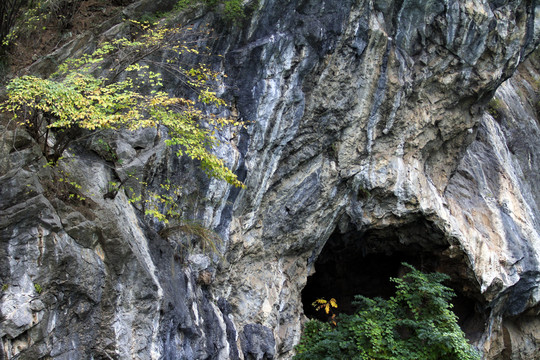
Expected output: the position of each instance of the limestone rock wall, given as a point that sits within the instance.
(494, 190)
(366, 122)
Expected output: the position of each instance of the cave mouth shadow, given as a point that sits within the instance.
(362, 263)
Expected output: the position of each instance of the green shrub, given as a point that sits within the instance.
(416, 323)
(231, 10)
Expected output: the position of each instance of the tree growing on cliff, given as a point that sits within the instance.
(416, 323)
(87, 95)
(9, 9)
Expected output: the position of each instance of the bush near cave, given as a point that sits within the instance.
(416, 323)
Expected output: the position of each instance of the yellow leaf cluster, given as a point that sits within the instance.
(323, 304)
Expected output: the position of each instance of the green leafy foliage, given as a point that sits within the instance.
(416, 323)
(106, 151)
(38, 288)
(23, 18)
(56, 110)
(231, 10)
(163, 205)
(120, 87)
(62, 185)
(88, 94)
(9, 9)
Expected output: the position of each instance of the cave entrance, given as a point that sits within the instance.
(362, 263)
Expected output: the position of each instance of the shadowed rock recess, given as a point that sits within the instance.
(371, 140)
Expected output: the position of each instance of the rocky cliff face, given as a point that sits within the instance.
(368, 144)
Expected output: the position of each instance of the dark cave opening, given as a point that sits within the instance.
(362, 263)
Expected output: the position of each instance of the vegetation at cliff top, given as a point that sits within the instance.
(55, 110)
(120, 87)
(416, 323)
(24, 17)
(9, 9)
(231, 10)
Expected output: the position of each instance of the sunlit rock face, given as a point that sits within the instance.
(367, 144)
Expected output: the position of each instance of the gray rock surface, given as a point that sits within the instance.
(366, 126)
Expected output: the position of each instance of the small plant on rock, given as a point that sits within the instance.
(495, 107)
(62, 185)
(38, 288)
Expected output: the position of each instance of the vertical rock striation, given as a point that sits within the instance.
(367, 133)
(364, 131)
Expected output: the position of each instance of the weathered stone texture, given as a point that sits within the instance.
(366, 122)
